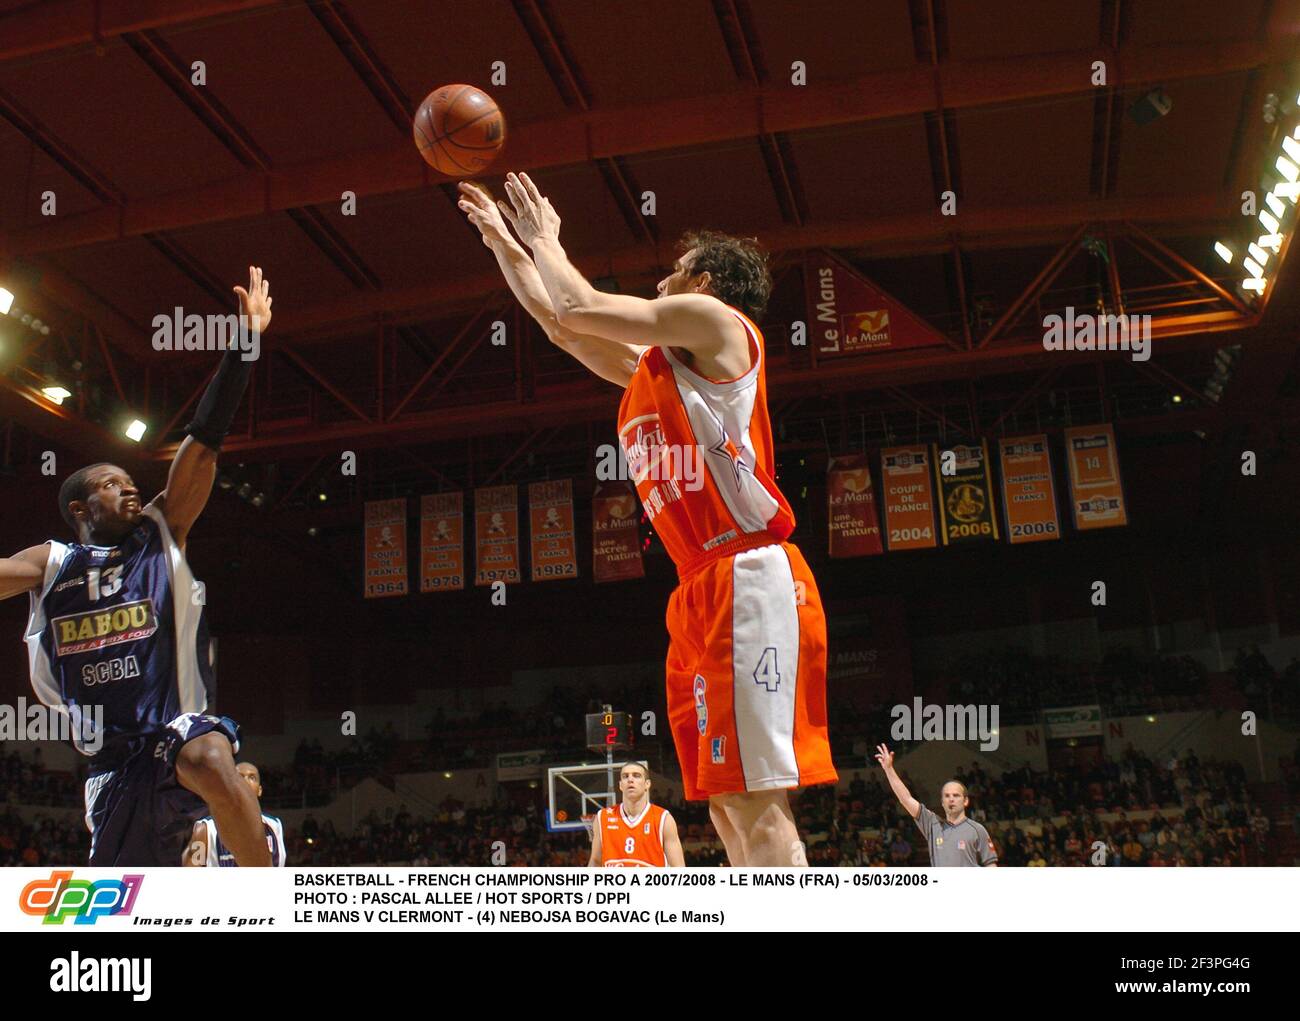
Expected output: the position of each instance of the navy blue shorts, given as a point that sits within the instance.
(138, 812)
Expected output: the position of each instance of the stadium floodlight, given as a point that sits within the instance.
(1256, 270)
(6, 300)
(1292, 148)
(1272, 242)
(57, 394)
(1258, 254)
(1274, 203)
(1256, 284)
(1269, 221)
(1286, 190)
(136, 430)
(1287, 169)
(1225, 253)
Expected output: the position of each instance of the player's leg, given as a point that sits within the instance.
(206, 766)
(727, 832)
(765, 825)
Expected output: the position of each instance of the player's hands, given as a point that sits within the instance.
(885, 757)
(481, 210)
(533, 217)
(255, 303)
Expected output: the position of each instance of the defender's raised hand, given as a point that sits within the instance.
(481, 210)
(255, 303)
(533, 216)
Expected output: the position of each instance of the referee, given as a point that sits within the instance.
(955, 840)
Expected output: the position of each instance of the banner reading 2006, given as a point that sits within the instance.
(442, 542)
(966, 495)
(496, 533)
(550, 512)
(385, 548)
(1028, 494)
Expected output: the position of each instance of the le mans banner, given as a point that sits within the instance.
(1096, 497)
(550, 513)
(615, 537)
(385, 548)
(1028, 492)
(442, 542)
(908, 496)
(966, 511)
(496, 534)
(854, 529)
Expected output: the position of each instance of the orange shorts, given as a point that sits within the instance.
(747, 675)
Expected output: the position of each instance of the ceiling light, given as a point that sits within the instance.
(135, 431)
(6, 301)
(1225, 253)
(57, 394)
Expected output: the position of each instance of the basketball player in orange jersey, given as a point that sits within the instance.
(635, 834)
(746, 671)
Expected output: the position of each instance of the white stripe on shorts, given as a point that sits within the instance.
(765, 666)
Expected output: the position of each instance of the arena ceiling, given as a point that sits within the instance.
(167, 191)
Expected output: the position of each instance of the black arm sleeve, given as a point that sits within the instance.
(220, 401)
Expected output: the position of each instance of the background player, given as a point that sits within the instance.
(953, 840)
(746, 675)
(635, 833)
(206, 848)
(117, 620)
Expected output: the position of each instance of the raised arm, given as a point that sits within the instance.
(886, 759)
(23, 572)
(194, 469)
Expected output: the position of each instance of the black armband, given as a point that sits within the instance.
(220, 401)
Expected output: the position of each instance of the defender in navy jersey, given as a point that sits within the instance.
(206, 848)
(117, 621)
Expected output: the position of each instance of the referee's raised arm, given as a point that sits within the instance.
(886, 759)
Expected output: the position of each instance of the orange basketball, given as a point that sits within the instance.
(459, 130)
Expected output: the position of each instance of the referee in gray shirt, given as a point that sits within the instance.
(954, 840)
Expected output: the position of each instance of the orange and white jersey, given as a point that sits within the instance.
(632, 842)
(700, 452)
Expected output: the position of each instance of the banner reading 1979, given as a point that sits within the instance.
(1095, 494)
(1028, 492)
(496, 534)
(385, 548)
(965, 495)
(909, 497)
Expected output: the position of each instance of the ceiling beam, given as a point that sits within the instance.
(583, 136)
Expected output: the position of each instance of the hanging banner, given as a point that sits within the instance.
(966, 512)
(1028, 492)
(908, 496)
(385, 549)
(496, 534)
(847, 314)
(442, 542)
(1096, 496)
(615, 537)
(854, 529)
(550, 513)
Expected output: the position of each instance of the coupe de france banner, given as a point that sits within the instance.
(496, 534)
(442, 542)
(1096, 496)
(966, 511)
(1028, 491)
(615, 537)
(385, 548)
(550, 513)
(908, 496)
(854, 528)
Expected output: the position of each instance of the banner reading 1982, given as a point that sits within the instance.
(385, 548)
(496, 534)
(442, 542)
(1028, 492)
(909, 497)
(854, 530)
(550, 512)
(1096, 497)
(966, 496)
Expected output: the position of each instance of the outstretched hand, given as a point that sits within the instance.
(481, 210)
(885, 757)
(255, 303)
(533, 217)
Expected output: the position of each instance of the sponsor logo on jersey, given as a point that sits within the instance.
(99, 629)
(71, 583)
(719, 750)
(61, 897)
(961, 845)
(701, 706)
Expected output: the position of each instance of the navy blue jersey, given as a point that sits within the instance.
(219, 855)
(120, 627)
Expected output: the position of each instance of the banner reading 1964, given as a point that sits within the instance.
(615, 538)
(966, 496)
(909, 497)
(442, 542)
(550, 512)
(1096, 497)
(496, 533)
(385, 548)
(854, 530)
(1028, 492)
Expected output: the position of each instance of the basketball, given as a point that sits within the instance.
(459, 130)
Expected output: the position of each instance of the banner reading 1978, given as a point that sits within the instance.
(1096, 497)
(854, 530)
(442, 542)
(496, 534)
(385, 548)
(1028, 492)
(550, 512)
(966, 496)
(909, 497)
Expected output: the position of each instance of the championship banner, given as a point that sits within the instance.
(909, 497)
(1028, 492)
(385, 552)
(850, 315)
(854, 529)
(442, 542)
(550, 513)
(966, 511)
(1096, 497)
(496, 534)
(615, 537)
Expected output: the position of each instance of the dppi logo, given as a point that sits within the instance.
(61, 896)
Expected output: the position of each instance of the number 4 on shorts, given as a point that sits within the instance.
(766, 672)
